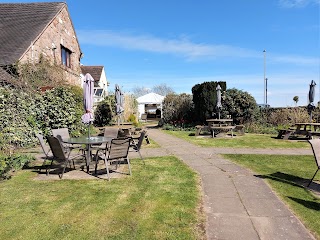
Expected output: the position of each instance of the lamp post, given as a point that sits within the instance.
(264, 78)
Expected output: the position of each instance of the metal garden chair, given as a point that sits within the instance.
(45, 148)
(59, 154)
(117, 151)
(136, 143)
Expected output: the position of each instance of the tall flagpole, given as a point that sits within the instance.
(264, 79)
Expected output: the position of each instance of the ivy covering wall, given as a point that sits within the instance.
(23, 113)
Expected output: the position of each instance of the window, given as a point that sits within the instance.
(98, 92)
(65, 56)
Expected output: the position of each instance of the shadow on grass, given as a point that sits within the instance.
(295, 138)
(292, 180)
(38, 166)
(297, 182)
(308, 204)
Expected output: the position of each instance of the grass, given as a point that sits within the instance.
(246, 141)
(286, 174)
(161, 200)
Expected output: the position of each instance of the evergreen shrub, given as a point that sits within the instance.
(13, 163)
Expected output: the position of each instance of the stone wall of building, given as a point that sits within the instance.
(59, 32)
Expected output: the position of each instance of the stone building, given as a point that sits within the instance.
(31, 30)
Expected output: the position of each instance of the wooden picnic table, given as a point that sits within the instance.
(221, 131)
(217, 127)
(307, 129)
(219, 122)
(308, 126)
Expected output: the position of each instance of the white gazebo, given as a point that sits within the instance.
(150, 104)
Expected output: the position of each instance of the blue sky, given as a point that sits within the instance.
(182, 43)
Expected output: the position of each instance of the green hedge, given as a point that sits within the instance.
(24, 113)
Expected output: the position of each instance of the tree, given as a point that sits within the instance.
(162, 89)
(105, 111)
(205, 99)
(178, 108)
(296, 99)
(240, 105)
(130, 106)
(140, 91)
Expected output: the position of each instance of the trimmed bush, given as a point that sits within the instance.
(13, 163)
(205, 99)
(104, 112)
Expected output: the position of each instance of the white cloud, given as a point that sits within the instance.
(297, 3)
(181, 47)
(299, 60)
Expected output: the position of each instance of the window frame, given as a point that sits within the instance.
(65, 56)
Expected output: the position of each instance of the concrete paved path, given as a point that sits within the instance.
(237, 204)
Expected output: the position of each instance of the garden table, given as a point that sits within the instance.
(307, 129)
(88, 141)
(220, 126)
(219, 122)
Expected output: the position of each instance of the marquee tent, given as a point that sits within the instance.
(150, 104)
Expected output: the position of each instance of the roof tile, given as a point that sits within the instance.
(20, 24)
(95, 71)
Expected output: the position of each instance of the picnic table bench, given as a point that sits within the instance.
(309, 130)
(216, 131)
(219, 131)
(313, 134)
(239, 129)
(285, 133)
(200, 128)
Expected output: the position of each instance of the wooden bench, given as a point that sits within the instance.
(313, 134)
(221, 131)
(199, 128)
(285, 133)
(239, 129)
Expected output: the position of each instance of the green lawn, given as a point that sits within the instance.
(161, 200)
(286, 174)
(245, 141)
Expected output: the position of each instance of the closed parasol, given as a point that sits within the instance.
(219, 105)
(88, 89)
(311, 95)
(119, 104)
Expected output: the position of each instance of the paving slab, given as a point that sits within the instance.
(231, 227)
(233, 169)
(228, 205)
(282, 228)
(247, 187)
(214, 188)
(266, 207)
(207, 169)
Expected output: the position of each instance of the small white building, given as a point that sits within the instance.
(150, 104)
(100, 81)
